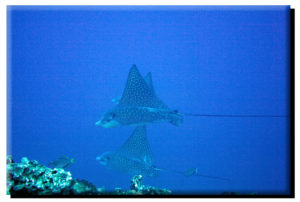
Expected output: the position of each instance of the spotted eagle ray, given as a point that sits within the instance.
(135, 158)
(139, 105)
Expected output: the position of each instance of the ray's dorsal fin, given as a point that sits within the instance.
(148, 79)
(159, 103)
(139, 91)
(137, 146)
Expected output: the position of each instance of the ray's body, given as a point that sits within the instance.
(134, 157)
(139, 105)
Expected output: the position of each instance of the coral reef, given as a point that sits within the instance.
(139, 188)
(33, 178)
(29, 178)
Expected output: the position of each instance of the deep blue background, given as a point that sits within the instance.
(66, 64)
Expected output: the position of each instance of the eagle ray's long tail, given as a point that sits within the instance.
(236, 115)
(193, 174)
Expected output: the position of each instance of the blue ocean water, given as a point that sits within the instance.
(66, 64)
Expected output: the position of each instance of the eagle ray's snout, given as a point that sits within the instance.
(98, 123)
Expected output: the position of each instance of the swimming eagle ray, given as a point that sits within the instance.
(135, 157)
(139, 105)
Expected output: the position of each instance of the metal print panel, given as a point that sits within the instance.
(141, 101)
